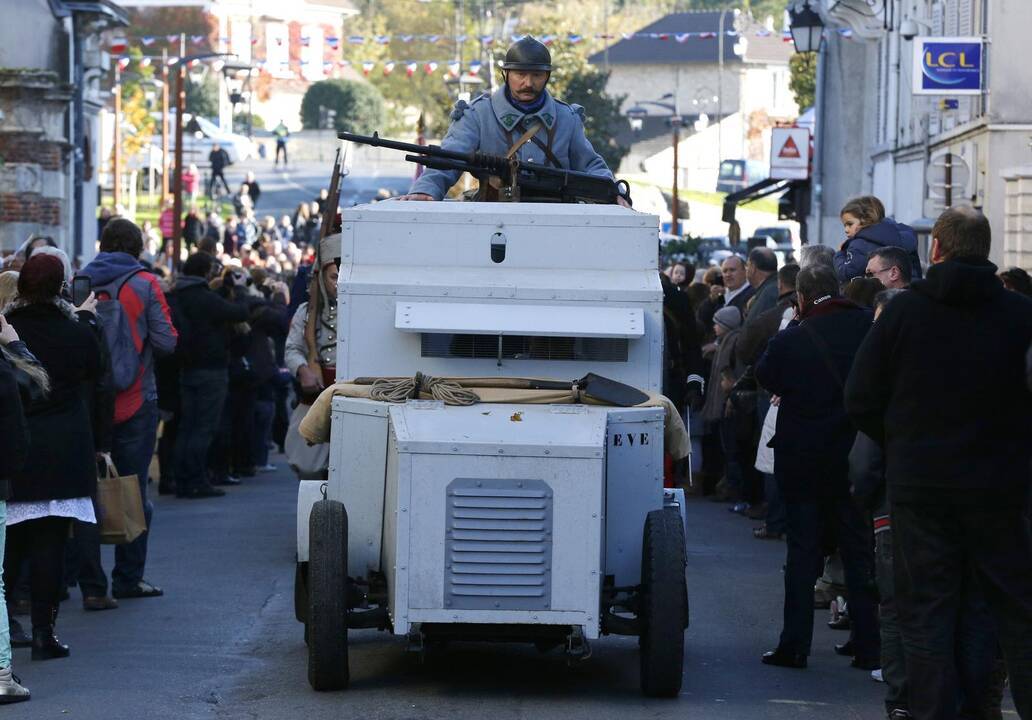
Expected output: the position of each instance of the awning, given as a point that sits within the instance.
(510, 319)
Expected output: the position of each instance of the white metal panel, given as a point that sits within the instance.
(358, 456)
(369, 345)
(634, 486)
(518, 319)
(309, 492)
(501, 429)
(537, 235)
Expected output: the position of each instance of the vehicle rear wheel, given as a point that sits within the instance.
(327, 616)
(663, 614)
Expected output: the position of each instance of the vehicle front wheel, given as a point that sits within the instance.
(327, 616)
(663, 614)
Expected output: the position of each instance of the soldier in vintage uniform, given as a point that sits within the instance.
(310, 462)
(519, 119)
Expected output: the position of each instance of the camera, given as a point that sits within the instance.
(908, 30)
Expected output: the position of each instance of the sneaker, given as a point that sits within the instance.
(877, 677)
(739, 507)
(266, 468)
(11, 689)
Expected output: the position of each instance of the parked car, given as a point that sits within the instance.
(710, 248)
(199, 135)
(735, 175)
(781, 235)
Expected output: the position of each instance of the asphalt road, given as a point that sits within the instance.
(223, 642)
(283, 188)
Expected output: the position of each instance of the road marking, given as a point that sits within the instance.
(802, 703)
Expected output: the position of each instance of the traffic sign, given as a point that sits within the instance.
(790, 153)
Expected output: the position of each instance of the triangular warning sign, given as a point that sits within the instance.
(789, 149)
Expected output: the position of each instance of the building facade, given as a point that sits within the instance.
(724, 74)
(50, 98)
(875, 135)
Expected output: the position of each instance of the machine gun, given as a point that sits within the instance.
(505, 179)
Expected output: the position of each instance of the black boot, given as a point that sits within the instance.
(45, 645)
(18, 637)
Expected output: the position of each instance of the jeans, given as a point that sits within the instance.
(132, 447)
(202, 395)
(281, 147)
(806, 525)
(264, 414)
(215, 176)
(5, 628)
(938, 547)
(732, 462)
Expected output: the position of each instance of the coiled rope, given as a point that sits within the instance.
(398, 390)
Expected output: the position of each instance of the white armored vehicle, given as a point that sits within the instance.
(538, 513)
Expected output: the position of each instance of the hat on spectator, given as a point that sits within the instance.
(60, 254)
(729, 317)
(41, 278)
(329, 249)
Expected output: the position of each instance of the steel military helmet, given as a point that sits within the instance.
(528, 53)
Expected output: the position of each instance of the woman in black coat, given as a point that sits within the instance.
(59, 475)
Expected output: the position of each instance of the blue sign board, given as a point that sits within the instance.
(947, 66)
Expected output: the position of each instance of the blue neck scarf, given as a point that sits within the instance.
(526, 108)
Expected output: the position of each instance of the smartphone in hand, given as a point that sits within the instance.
(82, 286)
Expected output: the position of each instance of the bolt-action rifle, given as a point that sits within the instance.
(508, 179)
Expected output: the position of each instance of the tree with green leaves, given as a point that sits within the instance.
(202, 98)
(803, 79)
(358, 106)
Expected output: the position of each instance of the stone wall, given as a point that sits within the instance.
(34, 158)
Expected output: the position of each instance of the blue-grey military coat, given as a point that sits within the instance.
(491, 124)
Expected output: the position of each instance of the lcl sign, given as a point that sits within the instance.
(947, 66)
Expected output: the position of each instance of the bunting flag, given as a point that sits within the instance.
(547, 39)
(306, 41)
(474, 67)
(453, 68)
(193, 63)
(388, 67)
(432, 38)
(279, 41)
(327, 67)
(254, 41)
(682, 37)
(196, 39)
(123, 63)
(574, 39)
(145, 62)
(333, 41)
(486, 39)
(405, 38)
(172, 61)
(460, 38)
(356, 39)
(383, 39)
(367, 67)
(410, 68)
(147, 40)
(118, 46)
(172, 38)
(343, 63)
(430, 68)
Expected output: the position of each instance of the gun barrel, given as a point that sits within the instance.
(376, 141)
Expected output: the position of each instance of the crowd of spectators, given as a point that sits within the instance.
(879, 424)
(189, 364)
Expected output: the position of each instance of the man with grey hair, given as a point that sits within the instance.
(811, 255)
(761, 271)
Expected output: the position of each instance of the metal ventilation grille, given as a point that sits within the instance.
(524, 347)
(498, 545)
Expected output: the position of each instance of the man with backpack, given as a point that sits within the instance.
(137, 324)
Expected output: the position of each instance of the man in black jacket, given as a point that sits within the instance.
(203, 319)
(219, 159)
(806, 365)
(940, 382)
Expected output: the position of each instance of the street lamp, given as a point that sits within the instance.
(806, 26)
(636, 116)
(180, 65)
